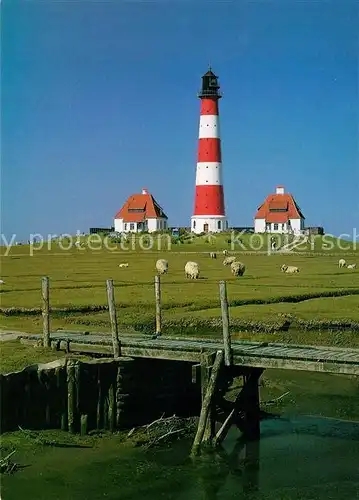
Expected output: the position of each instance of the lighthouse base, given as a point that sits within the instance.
(209, 224)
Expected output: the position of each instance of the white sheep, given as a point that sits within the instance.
(191, 270)
(228, 261)
(289, 269)
(237, 268)
(351, 266)
(2, 282)
(213, 255)
(124, 264)
(162, 266)
(342, 263)
(225, 252)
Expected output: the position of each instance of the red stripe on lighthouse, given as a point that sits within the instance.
(209, 150)
(209, 106)
(209, 200)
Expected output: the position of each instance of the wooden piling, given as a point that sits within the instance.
(207, 402)
(45, 292)
(99, 410)
(71, 396)
(112, 407)
(83, 425)
(113, 318)
(225, 323)
(158, 304)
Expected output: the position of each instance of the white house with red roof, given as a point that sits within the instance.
(279, 214)
(141, 212)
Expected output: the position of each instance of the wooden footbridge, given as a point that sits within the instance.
(246, 354)
(215, 363)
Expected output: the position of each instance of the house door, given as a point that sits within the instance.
(205, 228)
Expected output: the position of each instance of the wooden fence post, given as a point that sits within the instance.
(45, 291)
(158, 304)
(225, 323)
(113, 318)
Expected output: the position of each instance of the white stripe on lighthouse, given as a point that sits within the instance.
(209, 174)
(209, 127)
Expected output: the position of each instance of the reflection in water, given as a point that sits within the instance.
(295, 459)
(304, 458)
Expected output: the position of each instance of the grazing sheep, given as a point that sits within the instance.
(342, 263)
(191, 270)
(351, 266)
(124, 264)
(225, 252)
(162, 266)
(237, 268)
(2, 282)
(228, 261)
(212, 255)
(289, 269)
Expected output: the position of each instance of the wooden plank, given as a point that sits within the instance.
(193, 356)
(88, 348)
(293, 364)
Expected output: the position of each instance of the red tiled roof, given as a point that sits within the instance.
(145, 206)
(278, 208)
(277, 217)
(278, 204)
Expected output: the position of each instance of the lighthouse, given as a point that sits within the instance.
(209, 214)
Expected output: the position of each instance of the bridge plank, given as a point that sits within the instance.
(256, 354)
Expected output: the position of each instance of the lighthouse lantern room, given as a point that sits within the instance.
(209, 210)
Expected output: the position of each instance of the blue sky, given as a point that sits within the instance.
(99, 100)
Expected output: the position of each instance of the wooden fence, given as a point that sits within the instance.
(46, 308)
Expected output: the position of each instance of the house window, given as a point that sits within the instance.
(275, 227)
(125, 227)
(132, 226)
(283, 227)
(268, 226)
(194, 224)
(219, 224)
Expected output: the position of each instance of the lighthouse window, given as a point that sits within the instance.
(219, 224)
(194, 224)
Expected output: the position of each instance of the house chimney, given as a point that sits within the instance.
(279, 190)
(144, 191)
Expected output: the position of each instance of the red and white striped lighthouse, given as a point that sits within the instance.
(209, 214)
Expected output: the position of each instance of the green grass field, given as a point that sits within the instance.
(320, 294)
